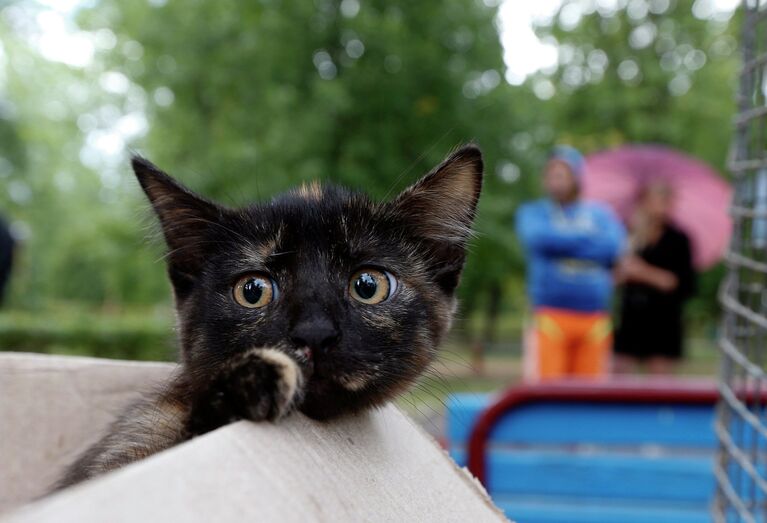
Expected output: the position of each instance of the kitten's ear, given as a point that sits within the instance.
(187, 221)
(441, 207)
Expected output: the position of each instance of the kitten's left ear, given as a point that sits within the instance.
(188, 223)
(441, 207)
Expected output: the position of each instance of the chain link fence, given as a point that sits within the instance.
(741, 424)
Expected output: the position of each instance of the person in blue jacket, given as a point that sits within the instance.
(571, 246)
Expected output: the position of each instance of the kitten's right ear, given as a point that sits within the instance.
(188, 222)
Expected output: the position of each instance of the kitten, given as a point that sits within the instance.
(320, 301)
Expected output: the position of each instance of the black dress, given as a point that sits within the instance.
(651, 320)
(6, 256)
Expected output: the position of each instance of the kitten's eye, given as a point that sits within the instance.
(372, 286)
(254, 291)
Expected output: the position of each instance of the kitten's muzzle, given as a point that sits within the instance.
(312, 338)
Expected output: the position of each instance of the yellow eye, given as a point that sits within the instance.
(372, 286)
(254, 291)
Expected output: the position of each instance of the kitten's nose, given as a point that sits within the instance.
(317, 334)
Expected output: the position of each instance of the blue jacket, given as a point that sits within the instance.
(571, 251)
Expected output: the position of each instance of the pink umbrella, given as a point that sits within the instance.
(702, 196)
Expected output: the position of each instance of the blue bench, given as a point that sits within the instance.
(569, 452)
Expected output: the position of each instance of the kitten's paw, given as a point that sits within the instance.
(261, 384)
(287, 387)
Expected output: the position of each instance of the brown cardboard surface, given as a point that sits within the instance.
(53, 407)
(374, 467)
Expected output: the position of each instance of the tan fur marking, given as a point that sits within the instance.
(354, 383)
(310, 191)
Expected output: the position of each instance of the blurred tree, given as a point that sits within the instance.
(651, 71)
(76, 244)
(263, 95)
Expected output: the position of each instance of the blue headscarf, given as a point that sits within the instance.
(572, 157)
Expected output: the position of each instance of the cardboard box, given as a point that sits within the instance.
(378, 466)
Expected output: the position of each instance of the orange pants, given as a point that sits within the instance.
(570, 343)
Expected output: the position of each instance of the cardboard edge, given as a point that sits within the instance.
(466, 476)
(79, 492)
(42, 361)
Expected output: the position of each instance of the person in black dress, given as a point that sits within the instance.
(657, 278)
(7, 245)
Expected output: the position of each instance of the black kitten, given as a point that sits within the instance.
(320, 300)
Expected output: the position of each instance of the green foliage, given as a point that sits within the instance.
(267, 95)
(645, 75)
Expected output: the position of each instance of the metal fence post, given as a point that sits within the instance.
(741, 424)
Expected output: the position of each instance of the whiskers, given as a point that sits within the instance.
(428, 395)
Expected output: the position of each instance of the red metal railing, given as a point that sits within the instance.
(627, 391)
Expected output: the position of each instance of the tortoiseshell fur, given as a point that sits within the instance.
(313, 349)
